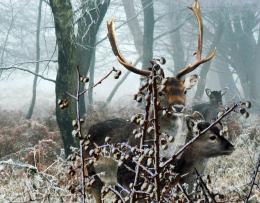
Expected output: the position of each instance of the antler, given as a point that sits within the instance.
(120, 58)
(191, 67)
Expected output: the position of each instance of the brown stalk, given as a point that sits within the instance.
(144, 130)
(156, 138)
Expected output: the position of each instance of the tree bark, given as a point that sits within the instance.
(38, 32)
(66, 74)
(175, 38)
(205, 67)
(148, 32)
(133, 25)
(93, 13)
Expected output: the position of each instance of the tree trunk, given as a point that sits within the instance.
(66, 74)
(133, 25)
(38, 31)
(93, 13)
(175, 38)
(226, 79)
(205, 67)
(148, 32)
(135, 29)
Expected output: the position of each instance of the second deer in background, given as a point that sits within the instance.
(210, 109)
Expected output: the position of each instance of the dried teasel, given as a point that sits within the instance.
(138, 135)
(117, 74)
(162, 60)
(107, 139)
(151, 152)
(220, 114)
(149, 162)
(63, 103)
(150, 188)
(246, 114)
(242, 110)
(139, 98)
(163, 141)
(91, 152)
(83, 79)
(75, 133)
(144, 186)
(150, 129)
(74, 123)
(171, 138)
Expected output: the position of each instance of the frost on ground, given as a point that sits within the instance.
(33, 168)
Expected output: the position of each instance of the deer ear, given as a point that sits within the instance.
(208, 91)
(190, 81)
(190, 121)
(224, 91)
(198, 116)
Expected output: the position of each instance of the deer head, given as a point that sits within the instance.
(176, 86)
(215, 97)
(210, 144)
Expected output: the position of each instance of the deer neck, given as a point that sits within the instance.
(176, 126)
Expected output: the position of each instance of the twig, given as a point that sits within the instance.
(82, 162)
(144, 129)
(253, 179)
(156, 138)
(204, 186)
(99, 82)
(185, 193)
(116, 193)
(22, 69)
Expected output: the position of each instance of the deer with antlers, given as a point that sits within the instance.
(176, 86)
(174, 89)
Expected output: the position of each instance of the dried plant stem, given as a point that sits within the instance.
(253, 179)
(156, 140)
(82, 161)
(144, 129)
(204, 187)
(99, 82)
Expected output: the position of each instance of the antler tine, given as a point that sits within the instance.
(191, 67)
(120, 58)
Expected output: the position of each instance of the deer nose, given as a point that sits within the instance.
(178, 108)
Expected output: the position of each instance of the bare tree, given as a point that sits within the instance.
(37, 65)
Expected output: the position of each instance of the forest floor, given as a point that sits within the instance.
(33, 168)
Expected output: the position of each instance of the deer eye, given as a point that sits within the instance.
(185, 91)
(213, 137)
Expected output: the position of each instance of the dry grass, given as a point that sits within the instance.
(45, 178)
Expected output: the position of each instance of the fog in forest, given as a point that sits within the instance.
(18, 47)
(60, 74)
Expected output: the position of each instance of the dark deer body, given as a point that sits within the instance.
(210, 109)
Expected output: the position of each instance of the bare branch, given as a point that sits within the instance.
(26, 70)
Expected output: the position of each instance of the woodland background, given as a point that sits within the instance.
(34, 73)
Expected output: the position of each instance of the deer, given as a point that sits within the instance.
(195, 158)
(175, 89)
(210, 109)
(177, 86)
(208, 145)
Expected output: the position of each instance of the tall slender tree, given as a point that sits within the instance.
(38, 50)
